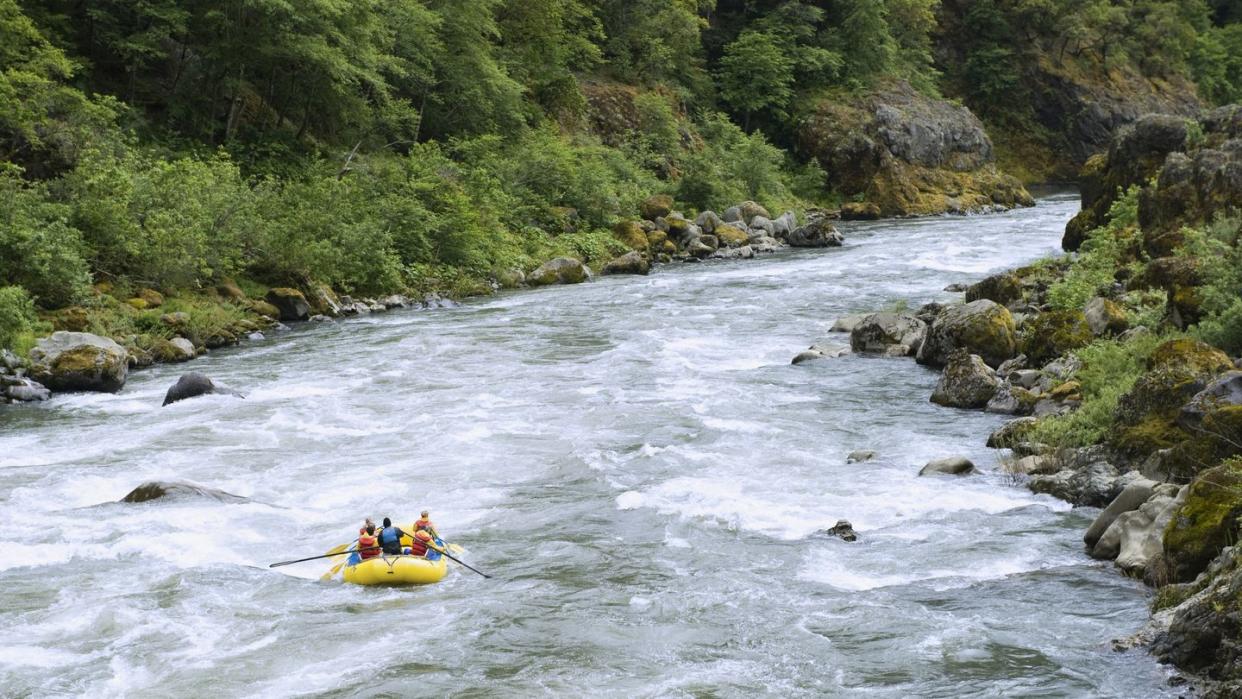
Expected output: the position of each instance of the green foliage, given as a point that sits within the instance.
(43, 252)
(755, 74)
(17, 315)
(1218, 250)
(1110, 369)
(731, 167)
(1216, 64)
(866, 41)
(1106, 250)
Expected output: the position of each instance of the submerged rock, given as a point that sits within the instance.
(156, 490)
(842, 529)
(818, 351)
(194, 384)
(954, 466)
(859, 456)
(72, 361)
(20, 389)
(817, 233)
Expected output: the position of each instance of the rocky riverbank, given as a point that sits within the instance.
(95, 345)
(1120, 363)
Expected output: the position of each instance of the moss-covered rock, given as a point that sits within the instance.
(264, 308)
(632, 235)
(72, 361)
(656, 206)
(657, 238)
(1217, 439)
(983, 327)
(967, 382)
(1206, 522)
(137, 304)
(731, 236)
(290, 303)
(1146, 416)
(1002, 288)
(1049, 335)
(72, 319)
(171, 351)
(1105, 317)
(860, 211)
(153, 298)
(230, 291)
(562, 270)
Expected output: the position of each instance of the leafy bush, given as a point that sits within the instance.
(42, 251)
(17, 314)
(1217, 249)
(733, 166)
(1106, 249)
(1109, 370)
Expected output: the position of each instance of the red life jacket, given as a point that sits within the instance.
(368, 541)
(418, 545)
(423, 524)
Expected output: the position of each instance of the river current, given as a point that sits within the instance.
(634, 460)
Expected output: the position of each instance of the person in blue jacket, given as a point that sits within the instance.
(390, 539)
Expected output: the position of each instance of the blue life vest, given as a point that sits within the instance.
(390, 540)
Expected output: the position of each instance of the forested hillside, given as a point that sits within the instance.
(436, 144)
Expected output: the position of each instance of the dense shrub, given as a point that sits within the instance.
(1219, 255)
(42, 252)
(17, 314)
(1106, 249)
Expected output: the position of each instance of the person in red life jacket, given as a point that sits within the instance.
(368, 543)
(423, 541)
(424, 523)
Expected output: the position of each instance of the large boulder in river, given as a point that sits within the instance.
(69, 361)
(629, 263)
(891, 333)
(632, 235)
(953, 466)
(967, 382)
(982, 327)
(290, 303)
(817, 233)
(194, 384)
(561, 270)
(156, 490)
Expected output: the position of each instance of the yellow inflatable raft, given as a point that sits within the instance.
(397, 570)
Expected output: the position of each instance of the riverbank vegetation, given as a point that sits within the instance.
(425, 145)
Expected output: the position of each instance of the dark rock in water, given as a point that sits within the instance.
(957, 287)
(1086, 478)
(842, 529)
(560, 270)
(155, 490)
(954, 466)
(817, 233)
(195, 384)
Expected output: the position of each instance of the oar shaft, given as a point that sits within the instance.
(326, 555)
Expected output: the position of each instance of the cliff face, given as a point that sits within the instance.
(906, 153)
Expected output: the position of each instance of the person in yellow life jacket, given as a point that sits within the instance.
(368, 542)
(421, 542)
(424, 523)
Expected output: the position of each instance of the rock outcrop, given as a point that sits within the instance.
(291, 304)
(906, 153)
(73, 361)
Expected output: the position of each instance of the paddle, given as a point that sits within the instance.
(459, 562)
(315, 558)
(349, 548)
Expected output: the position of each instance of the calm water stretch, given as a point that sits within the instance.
(634, 460)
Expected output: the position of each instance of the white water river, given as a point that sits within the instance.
(633, 459)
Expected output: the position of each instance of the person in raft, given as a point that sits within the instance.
(367, 541)
(424, 522)
(422, 541)
(390, 539)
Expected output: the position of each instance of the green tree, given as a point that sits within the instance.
(866, 41)
(543, 43)
(755, 74)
